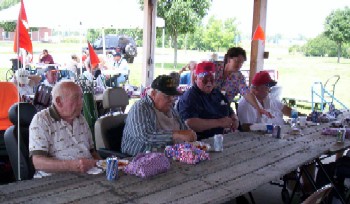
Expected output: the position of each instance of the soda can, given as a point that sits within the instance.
(341, 135)
(276, 132)
(314, 116)
(218, 142)
(112, 168)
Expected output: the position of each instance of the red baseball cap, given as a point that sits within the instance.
(263, 78)
(205, 68)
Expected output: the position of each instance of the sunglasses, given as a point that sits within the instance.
(208, 78)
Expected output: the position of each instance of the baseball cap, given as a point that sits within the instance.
(50, 68)
(165, 84)
(205, 68)
(117, 54)
(263, 78)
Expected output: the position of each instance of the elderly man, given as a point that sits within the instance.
(204, 108)
(51, 76)
(152, 121)
(59, 136)
(260, 88)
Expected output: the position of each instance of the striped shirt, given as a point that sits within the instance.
(141, 131)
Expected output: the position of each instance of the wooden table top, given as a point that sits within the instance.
(248, 161)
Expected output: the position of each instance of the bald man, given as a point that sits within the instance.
(59, 137)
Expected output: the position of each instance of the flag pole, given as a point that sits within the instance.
(18, 112)
(81, 52)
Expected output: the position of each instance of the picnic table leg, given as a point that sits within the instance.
(318, 161)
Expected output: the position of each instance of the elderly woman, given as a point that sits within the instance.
(230, 80)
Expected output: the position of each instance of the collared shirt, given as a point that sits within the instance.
(51, 136)
(233, 84)
(196, 104)
(141, 132)
(47, 58)
(121, 66)
(47, 83)
(247, 114)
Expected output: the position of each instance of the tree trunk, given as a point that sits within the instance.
(339, 52)
(175, 50)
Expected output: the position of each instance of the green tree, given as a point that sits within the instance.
(8, 26)
(4, 4)
(337, 27)
(213, 35)
(320, 46)
(230, 32)
(195, 40)
(220, 34)
(181, 17)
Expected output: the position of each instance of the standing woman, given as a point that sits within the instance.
(230, 79)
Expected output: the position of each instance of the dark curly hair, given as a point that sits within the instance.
(234, 52)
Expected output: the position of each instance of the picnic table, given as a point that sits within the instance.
(248, 161)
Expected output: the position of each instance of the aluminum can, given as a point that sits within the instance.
(341, 135)
(112, 168)
(218, 143)
(276, 132)
(314, 116)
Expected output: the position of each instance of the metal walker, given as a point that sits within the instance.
(320, 92)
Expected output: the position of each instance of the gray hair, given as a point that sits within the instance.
(60, 89)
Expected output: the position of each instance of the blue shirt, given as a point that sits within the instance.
(196, 104)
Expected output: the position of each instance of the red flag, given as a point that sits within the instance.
(23, 15)
(21, 33)
(259, 34)
(93, 57)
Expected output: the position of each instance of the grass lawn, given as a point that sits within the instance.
(296, 73)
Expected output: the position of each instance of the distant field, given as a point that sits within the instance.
(296, 73)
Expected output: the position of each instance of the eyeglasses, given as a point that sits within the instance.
(208, 78)
(265, 87)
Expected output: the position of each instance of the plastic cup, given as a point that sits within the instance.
(269, 129)
(302, 121)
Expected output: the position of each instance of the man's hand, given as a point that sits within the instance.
(235, 122)
(265, 112)
(225, 122)
(184, 136)
(83, 165)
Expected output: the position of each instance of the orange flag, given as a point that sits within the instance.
(93, 56)
(21, 34)
(259, 34)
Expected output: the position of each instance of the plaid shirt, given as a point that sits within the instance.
(141, 132)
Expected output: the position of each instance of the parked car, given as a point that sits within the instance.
(117, 43)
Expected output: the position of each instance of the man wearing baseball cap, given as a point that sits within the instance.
(121, 65)
(203, 107)
(51, 76)
(152, 121)
(260, 88)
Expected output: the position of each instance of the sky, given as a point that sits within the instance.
(289, 18)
